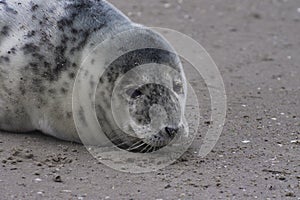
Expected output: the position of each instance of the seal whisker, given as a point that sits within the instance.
(136, 146)
(145, 150)
(147, 146)
(115, 140)
(151, 149)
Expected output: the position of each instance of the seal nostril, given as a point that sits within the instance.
(171, 131)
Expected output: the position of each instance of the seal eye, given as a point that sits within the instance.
(134, 93)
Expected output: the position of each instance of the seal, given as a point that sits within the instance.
(42, 45)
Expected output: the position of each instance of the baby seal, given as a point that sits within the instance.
(42, 46)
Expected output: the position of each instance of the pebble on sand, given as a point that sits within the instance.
(37, 180)
(246, 141)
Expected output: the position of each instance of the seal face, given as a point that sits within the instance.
(42, 45)
(152, 106)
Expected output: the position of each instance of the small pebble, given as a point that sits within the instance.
(57, 179)
(290, 194)
(37, 180)
(295, 141)
(246, 141)
(28, 155)
(66, 191)
(37, 173)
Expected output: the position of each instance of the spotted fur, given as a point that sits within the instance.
(42, 44)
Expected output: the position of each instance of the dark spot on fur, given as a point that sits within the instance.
(74, 31)
(52, 91)
(72, 75)
(62, 63)
(69, 115)
(30, 48)
(34, 67)
(4, 59)
(41, 102)
(4, 31)
(34, 7)
(45, 38)
(81, 116)
(92, 84)
(13, 50)
(64, 23)
(83, 40)
(36, 81)
(63, 90)
(7, 8)
(22, 89)
(38, 56)
(30, 34)
(101, 80)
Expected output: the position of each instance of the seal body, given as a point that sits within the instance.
(42, 44)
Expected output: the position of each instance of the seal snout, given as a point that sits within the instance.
(165, 136)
